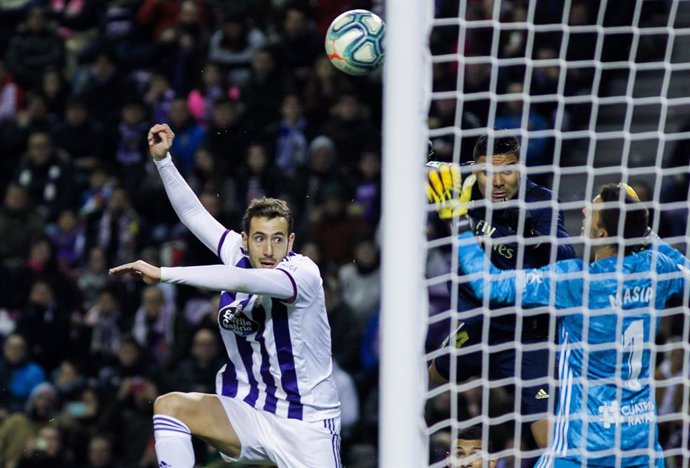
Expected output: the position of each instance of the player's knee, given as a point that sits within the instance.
(171, 404)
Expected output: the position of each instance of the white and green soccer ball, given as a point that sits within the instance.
(354, 42)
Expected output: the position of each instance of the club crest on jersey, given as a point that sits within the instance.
(233, 319)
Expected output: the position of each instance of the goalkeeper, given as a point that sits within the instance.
(608, 403)
(499, 219)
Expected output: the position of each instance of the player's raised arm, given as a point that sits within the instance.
(533, 284)
(184, 201)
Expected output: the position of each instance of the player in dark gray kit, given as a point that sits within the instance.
(488, 195)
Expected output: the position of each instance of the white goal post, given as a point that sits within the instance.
(407, 73)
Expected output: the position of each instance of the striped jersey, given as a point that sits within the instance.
(279, 351)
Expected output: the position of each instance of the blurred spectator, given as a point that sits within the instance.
(77, 22)
(157, 15)
(102, 322)
(257, 177)
(118, 228)
(20, 225)
(234, 44)
(79, 421)
(46, 173)
(265, 87)
(14, 136)
(333, 228)
(100, 453)
(68, 381)
(130, 149)
(93, 277)
(545, 82)
(201, 101)
(510, 117)
(360, 280)
(154, 326)
(129, 365)
(35, 47)
(324, 86)
(11, 95)
(67, 236)
(675, 187)
(158, 97)
(18, 374)
(18, 428)
(670, 377)
(368, 190)
(197, 372)
(55, 92)
(81, 138)
(41, 264)
(349, 400)
(298, 42)
(350, 129)
(322, 168)
(102, 87)
(129, 416)
(46, 325)
(227, 137)
(346, 331)
(291, 137)
(46, 449)
(180, 50)
(188, 135)
(94, 200)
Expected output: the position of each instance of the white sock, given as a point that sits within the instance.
(173, 442)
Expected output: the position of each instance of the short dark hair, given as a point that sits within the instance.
(268, 208)
(474, 433)
(636, 216)
(501, 145)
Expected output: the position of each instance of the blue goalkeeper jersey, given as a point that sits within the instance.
(542, 218)
(610, 420)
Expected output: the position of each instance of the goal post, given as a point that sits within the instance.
(407, 73)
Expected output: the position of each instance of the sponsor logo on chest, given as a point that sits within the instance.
(232, 318)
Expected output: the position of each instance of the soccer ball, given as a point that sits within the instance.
(354, 42)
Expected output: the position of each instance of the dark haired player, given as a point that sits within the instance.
(606, 413)
(489, 196)
(275, 399)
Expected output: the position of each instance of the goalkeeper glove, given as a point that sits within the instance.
(445, 188)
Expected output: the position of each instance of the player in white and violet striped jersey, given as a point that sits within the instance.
(275, 400)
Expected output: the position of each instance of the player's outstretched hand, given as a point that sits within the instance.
(140, 269)
(160, 140)
(446, 189)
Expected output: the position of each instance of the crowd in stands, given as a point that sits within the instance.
(257, 110)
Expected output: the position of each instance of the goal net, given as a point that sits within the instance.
(596, 92)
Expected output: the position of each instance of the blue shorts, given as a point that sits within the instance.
(534, 396)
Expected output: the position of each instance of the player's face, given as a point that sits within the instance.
(468, 454)
(268, 241)
(502, 182)
(591, 222)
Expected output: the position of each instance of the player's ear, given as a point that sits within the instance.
(291, 241)
(244, 240)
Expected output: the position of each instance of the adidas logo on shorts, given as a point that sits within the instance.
(541, 394)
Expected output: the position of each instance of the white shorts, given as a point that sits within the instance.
(289, 443)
